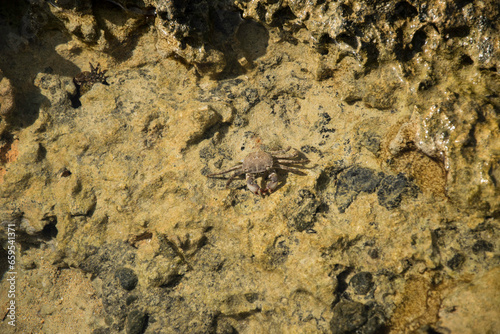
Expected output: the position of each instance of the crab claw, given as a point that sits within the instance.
(252, 185)
(272, 184)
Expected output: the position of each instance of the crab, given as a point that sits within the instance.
(264, 163)
(85, 80)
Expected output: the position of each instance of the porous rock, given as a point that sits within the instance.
(391, 227)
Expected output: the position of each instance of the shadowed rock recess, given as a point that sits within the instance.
(113, 113)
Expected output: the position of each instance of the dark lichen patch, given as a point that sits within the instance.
(99, 259)
(329, 175)
(308, 148)
(376, 321)
(456, 261)
(360, 179)
(285, 108)
(322, 125)
(240, 121)
(353, 317)
(278, 252)
(251, 95)
(210, 152)
(354, 181)
(303, 217)
(371, 141)
(482, 246)
(107, 263)
(393, 188)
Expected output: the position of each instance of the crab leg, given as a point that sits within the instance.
(288, 168)
(226, 171)
(283, 155)
(291, 161)
(232, 178)
(275, 153)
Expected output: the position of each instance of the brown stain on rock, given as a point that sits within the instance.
(8, 153)
(419, 305)
(429, 174)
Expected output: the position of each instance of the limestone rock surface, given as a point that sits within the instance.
(392, 226)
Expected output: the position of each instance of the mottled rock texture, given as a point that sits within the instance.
(393, 226)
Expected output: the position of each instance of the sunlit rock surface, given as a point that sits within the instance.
(393, 226)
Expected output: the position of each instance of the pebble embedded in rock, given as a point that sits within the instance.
(362, 283)
(347, 317)
(127, 278)
(136, 322)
